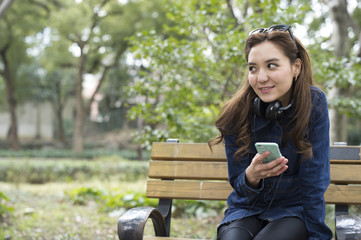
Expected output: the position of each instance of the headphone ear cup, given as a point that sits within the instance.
(274, 111)
(259, 107)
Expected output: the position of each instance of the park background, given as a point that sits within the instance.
(87, 85)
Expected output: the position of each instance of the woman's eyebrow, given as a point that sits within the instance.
(267, 61)
(273, 60)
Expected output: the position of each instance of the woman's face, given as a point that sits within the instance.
(271, 73)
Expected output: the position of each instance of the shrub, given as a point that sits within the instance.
(60, 153)
(108, 202)
(50, 170)
(199, 209)
(82, 195)
(128, 200)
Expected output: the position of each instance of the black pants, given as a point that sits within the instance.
(290, 228)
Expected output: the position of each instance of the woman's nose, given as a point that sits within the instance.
(262, 75)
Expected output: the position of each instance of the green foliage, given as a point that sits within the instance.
(127, 200)
(107, 201)
(19, 27)
(357, 15)
(83, 195)
(198, 209)
(195, 64)
(42, 171)
(5, 209)
(354, 138)
(344, 75)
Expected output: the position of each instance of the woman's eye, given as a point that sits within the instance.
(272, 65)
(251, 68)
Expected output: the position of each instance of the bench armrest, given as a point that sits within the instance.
(348, 227)
(131, 224)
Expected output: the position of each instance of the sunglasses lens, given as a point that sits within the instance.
(282, 28)
(258, 30)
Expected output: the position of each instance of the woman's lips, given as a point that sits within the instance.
(265, 89)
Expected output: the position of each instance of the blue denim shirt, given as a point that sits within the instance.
(299, 191)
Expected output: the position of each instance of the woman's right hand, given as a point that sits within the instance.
(258, 170)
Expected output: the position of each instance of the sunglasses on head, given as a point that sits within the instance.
(280, 28)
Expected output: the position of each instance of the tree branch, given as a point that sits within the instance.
(4, 5)
(231, 9)
(106, 68)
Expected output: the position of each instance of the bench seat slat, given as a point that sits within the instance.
(188, 170)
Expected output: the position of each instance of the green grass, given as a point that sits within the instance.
(46, 212)
(82, 199)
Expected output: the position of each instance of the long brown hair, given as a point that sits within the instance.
(237, 112)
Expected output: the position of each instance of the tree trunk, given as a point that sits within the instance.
(38, 121)
(78, 144)
(139, 148)
(58, 104)
(13, 129)
(340, 40)
(79, 117)
(60, 137)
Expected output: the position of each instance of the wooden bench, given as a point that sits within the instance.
(192, 171)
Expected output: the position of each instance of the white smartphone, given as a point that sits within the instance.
(271, 147)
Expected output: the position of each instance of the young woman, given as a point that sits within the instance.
(278, 103)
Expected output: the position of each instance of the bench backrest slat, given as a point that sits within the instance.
(345, 153)
(340, 173)
(346, 173)
(188, 170)
(343, 194)
(201, 190)
(187, 151)
(201, 151)
(192, 171)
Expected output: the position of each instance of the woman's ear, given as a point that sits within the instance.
(297, 67)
